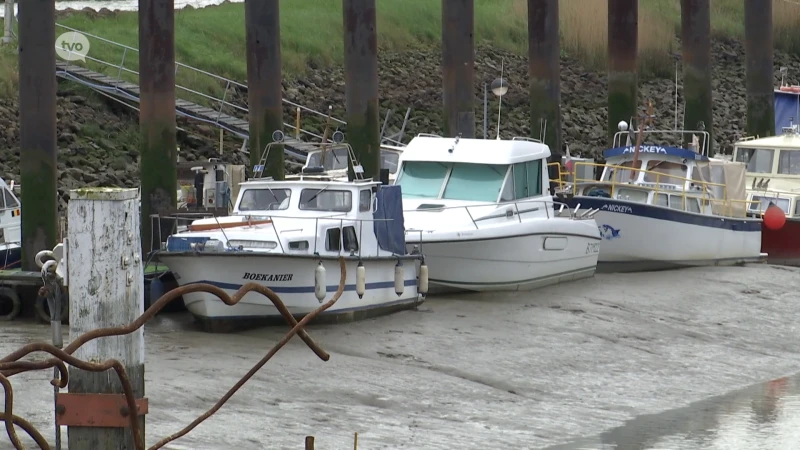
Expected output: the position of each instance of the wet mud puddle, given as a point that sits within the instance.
(764, 416)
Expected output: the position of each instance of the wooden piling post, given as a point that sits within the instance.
(106, 290)
(309, 442)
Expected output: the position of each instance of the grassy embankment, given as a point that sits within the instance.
(213, 38)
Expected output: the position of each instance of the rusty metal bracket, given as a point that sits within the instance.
(96, 410)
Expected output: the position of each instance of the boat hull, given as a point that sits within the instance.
(639, 237)
(523, 257)
(782, 246)
(292, 278)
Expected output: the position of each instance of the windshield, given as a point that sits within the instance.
(475, 182)
(422, 178)
(761, 203)
(389, 160)
(789, 162)
(758, 160)
(264, 199)
(334, 159)
(326, 200)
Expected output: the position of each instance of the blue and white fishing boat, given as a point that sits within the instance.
(661, 207)
(10, 226)
(288, 235)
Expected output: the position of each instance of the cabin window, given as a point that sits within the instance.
(692, 205)
(619, 174)
(796, 208)
(349, 239)
(676, 202)
(527, 179)
(264, 199)
(389, 160)
(365, 200)
(789, 162)
(758, 160)
(326, 200)
(761, 203)
(333, 240)
(335, 159)
(661, 200)
(665, 172)
(477, 182)
(632, 195)
(422, 178)
(11, 202)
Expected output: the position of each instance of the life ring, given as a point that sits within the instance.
(16, 304)
(43, 310)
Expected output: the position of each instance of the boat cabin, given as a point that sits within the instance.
(773, 171)
(673, 177)
(437, 170)
(305, 217)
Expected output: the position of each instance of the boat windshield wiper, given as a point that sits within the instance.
(316, 195)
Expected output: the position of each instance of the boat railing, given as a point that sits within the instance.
(520, 207)
(269, 220)
(664, 183)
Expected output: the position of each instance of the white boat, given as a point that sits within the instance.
(481, 213)
(662, 207)
(773, 178)
(333, 162)
(288, 235)
(10, 228)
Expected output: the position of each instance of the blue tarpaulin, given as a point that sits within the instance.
(787, 109)
(390, 233)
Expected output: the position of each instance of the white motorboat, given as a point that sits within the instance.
(482, 214)
(288, 236)
(10, 228)
(662, 207)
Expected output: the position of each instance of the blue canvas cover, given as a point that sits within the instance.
(787, 109)
(391, 234)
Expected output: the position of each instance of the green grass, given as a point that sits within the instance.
(213, 39)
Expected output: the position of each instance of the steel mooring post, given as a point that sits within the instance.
(37, 122)
(106, 289)
(158, 151)
(696, 49)
(623, 31)
(544, 71)
(361, 84)
(8, 22)
(264, 89)
(759, 56)
(458, 67)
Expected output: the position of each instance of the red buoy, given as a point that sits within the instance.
(774, 218)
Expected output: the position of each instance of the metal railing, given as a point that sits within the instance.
(663, 184)
(543, 204)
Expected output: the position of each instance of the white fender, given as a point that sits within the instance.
(361, 280)
(320, 285)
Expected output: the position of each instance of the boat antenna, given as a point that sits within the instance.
(324, 146)
(500, 94)
(648, 117)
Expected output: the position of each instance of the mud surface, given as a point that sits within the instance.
(522, 370)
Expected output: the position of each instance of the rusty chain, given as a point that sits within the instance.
(11, 364)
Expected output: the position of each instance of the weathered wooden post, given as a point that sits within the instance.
(106, 290)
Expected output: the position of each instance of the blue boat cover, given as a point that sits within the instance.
(183, 244)
(391, 233)
(787, 109)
